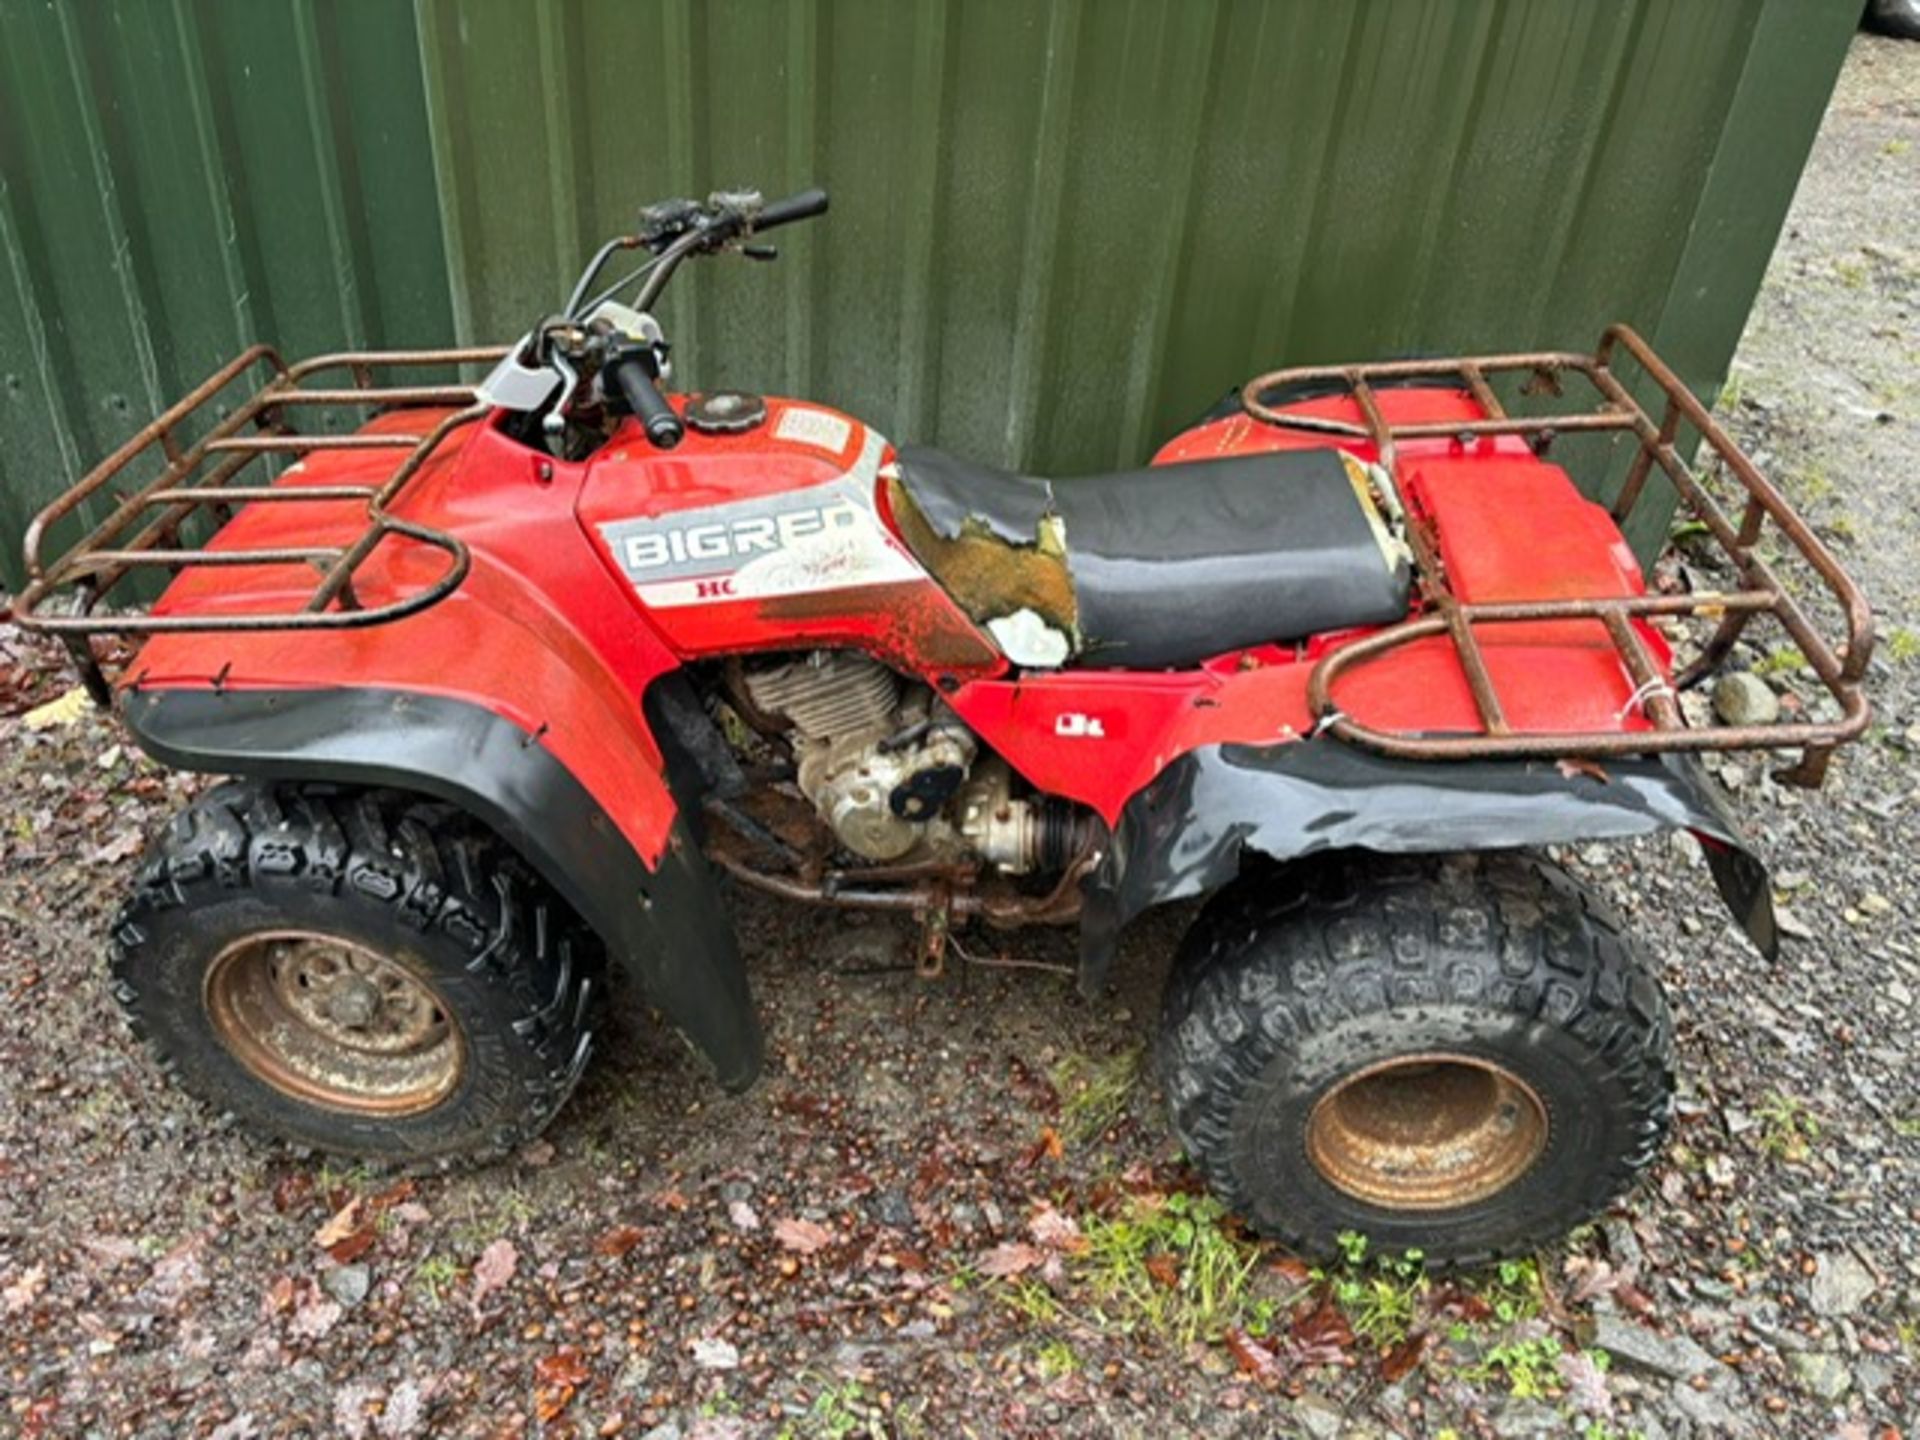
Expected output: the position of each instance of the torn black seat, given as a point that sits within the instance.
(1155, 568)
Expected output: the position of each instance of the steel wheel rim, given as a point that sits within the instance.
(334, 1023)
(1427, 1132)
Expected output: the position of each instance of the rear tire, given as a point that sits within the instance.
(364, 973)
(1460, 1055)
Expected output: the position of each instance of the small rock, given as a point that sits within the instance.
(1745, 699)
(1526, 1419)
(1790, 924)
(1675, 1357)
(1823, 1374)
(1841, 1284)
(891, 1207)
(1622, 1244)
(1873, 1375)
(1874, 903)
(1707, 1411)
(347, 1284)
(669, 1430)
(1317, 1416)
(863, 945)
(710, 1353)
(854, 1355)
(743, 1215)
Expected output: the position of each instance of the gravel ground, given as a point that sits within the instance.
(950, 1209)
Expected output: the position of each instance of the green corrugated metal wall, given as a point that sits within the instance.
(1060, 227)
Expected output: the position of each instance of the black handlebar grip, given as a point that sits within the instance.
(804, 206)
(656, 417)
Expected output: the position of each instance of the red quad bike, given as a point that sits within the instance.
(513, 676)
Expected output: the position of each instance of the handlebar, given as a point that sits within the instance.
(675, 230)
(804, 206)
(633, 373)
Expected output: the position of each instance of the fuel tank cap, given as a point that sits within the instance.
(726, 412)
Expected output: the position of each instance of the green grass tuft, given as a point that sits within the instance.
(1094, 1094)
(1787, 1128)
(1380, 1294)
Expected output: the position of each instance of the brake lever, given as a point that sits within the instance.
(555, 420)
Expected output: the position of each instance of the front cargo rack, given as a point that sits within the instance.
(146, 528)
(1761, 590)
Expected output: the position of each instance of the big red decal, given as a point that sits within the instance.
(825, 537)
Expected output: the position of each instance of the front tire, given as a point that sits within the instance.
(363, 973)
(1460, 1055)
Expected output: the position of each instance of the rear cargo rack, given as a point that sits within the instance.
(1761, 592)
(144, 529)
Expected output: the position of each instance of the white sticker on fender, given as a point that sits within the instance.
(820, 428)
(798, 542)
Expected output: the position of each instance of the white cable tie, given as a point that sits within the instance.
(1652, 689)
(1331, 718)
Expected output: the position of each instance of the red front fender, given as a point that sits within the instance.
(518, 697)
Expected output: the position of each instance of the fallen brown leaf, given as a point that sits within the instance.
(292, 1191)
(803, 1237)
(351, 1247)
(394, 1195)
(21, 1294)
(343, 1223)
(494, 1269)
(1572, 767)
(557, 1377)
(1255, 1360)
(1165, 1270)
(1014, 1257)
(1633, 1298)
(1292, 1269)
(1402, 1358)
(1049, 1146)
(1463, 1305)
(1049, 1227)
(1322, 1333)
(619, 1240)
(537, 1153)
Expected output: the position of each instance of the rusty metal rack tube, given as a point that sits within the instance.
(1840, 667)
(142, 530)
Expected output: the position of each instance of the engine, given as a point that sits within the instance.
(893, 771)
